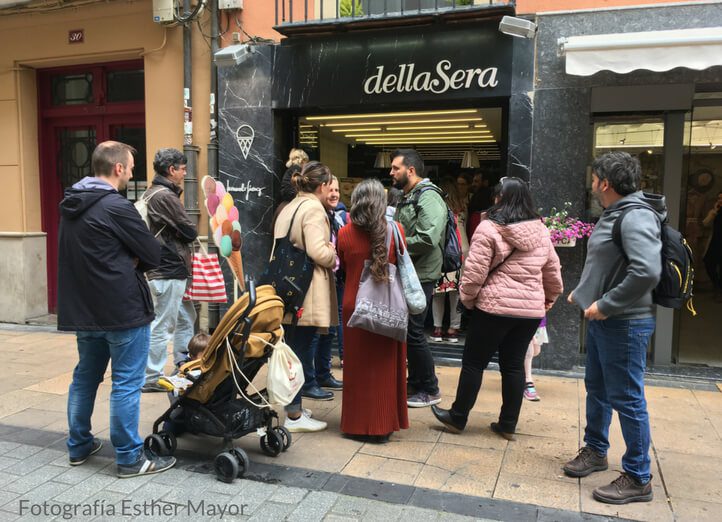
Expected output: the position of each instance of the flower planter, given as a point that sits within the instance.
(565, 242)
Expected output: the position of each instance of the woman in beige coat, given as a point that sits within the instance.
(310, 230)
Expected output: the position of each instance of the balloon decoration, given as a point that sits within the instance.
(225, 228)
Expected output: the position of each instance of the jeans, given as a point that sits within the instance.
(487, 334)
(301, 342)
(128, 352)
(614, 378)
(422, 375)
(321, 344)
(173, 317)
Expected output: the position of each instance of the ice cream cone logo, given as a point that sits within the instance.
(244, 137)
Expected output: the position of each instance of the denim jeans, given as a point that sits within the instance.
(321, 344)
(173, 317)
(422, 374)
(127, 351)
(301, 342)
(614, 378)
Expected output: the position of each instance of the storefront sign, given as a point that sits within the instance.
(406, 80)
(427, 63)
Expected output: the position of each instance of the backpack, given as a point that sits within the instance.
(451, 248)
(142, 207)
(675, 287)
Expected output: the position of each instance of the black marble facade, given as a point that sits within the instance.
(244, 93)
(563, 131)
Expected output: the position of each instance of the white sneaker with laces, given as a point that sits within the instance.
(304, 424)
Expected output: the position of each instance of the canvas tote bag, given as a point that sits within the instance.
(414, 293)
(381, 305)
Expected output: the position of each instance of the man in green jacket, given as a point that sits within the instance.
(422, 212)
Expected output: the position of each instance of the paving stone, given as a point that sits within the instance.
(129, 485)
(419, 514)
(331, 517)
(21, 451)
(44, 492)
(74, 475)
(171, 477)
(7, 501)
(288, 495)
(272, 511)
(6, 447)
(89, 487)
(32, 480)
(350, 506)
(313, 507)
(6, 516)
(34, 461)
(382, 512)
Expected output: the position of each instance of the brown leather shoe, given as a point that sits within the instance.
(623, 490)
(586, 462)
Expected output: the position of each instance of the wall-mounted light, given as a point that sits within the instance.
(518, 27)
(383, 160)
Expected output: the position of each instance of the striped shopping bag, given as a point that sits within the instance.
(208, 284)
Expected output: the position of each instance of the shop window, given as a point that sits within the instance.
(72, 89)
(134, 135)
(125, 86)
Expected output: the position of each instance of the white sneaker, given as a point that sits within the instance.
(304, 424)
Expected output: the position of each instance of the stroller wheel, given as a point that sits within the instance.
(226, 467)
(169, 440)
(272, 443)
(285, 436)
(156, 445)
(243, 461)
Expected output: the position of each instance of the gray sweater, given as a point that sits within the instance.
(623, 288)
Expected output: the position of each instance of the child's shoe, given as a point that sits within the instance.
(530, 393)
(436, 336)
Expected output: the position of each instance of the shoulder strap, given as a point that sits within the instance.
(617, 227)
(293, 217)
(389, 233)
(502, 262)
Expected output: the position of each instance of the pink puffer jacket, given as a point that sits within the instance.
(528, 273)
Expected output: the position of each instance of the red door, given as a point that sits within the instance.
(79, 108)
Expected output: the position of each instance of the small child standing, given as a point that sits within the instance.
(540, 338)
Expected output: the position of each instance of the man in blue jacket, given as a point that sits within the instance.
(104, 248)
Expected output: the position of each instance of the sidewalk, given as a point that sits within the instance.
(686, 453)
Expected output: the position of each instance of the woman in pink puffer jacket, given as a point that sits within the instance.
(511, 278)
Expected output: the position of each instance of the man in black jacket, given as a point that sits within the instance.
(176, 233)
(104, 248)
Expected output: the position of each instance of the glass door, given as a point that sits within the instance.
(699, 336)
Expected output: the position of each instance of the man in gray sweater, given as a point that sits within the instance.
(615, 293)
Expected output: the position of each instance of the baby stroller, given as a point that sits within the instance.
(218, 402)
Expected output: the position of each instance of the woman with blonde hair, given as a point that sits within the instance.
(297, 158)
(305, 221)
(374, 390)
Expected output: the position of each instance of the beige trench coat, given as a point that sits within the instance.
(312, 232)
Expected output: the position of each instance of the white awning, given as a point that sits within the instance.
(652, 50)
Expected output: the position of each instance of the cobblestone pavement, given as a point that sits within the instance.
(423, 472)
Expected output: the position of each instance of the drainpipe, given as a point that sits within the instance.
(190, 189)
(213, 308)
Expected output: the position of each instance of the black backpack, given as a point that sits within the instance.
(675, 287)
(451, 248)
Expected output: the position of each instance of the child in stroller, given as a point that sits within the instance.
(219, 403)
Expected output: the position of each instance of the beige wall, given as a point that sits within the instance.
(22, 271)
(113, 31)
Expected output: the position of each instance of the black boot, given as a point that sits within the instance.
(452, 422)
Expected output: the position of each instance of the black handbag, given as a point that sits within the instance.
(290, 272)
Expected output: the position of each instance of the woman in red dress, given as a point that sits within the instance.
(374, 388)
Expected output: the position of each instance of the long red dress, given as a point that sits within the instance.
(374, 366)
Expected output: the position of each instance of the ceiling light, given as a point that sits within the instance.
(389, 114)
(418, 141)
(479, 133)
(470, 160)
(369, 129)
(401, 122)
(383, 160)
(478, 126)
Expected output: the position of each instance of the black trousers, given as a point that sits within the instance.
(422, 374)
(487, 334)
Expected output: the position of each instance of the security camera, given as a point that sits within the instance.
(518, 27)
(233, 55)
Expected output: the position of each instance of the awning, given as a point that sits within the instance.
(652, 50)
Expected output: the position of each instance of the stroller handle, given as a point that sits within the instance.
(251, 287)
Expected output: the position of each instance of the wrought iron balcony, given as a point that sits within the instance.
(315, 16)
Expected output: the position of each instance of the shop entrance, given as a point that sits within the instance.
(681, 157)
(80, 107)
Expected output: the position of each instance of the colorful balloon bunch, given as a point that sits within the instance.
(225, 227)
